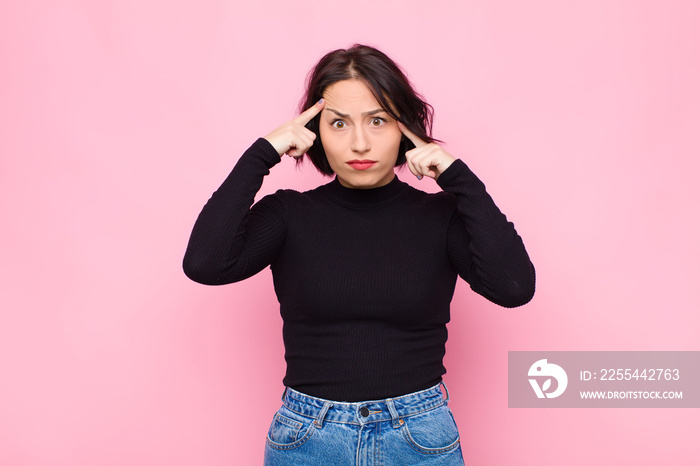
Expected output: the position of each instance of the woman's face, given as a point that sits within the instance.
(360, 139)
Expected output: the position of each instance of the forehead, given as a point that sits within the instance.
(350, 95)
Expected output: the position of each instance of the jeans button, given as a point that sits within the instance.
(364, 412)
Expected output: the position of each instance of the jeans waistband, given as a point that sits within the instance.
(364, 412)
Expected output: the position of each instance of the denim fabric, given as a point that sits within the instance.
(413, 429)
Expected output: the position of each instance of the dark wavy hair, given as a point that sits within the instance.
(385, 80)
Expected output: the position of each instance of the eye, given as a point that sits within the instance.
(377, 121)
(338, 124)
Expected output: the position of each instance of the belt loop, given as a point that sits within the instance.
(319, 420)
(447, 392)
(284, 393)
(396, 422)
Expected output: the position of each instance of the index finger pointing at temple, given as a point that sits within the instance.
(414, 139)
(310, 113)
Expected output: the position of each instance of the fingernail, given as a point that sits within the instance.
(419, 177)
(320, 101)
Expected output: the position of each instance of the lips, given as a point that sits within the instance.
(361, 164)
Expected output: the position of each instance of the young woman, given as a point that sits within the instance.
(364, 267)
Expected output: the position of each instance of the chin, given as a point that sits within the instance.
(365, 182)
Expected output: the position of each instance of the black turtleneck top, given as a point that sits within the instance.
(364, 277)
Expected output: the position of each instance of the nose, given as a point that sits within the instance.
(360, 141)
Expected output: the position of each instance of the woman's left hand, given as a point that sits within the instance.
(427, 159)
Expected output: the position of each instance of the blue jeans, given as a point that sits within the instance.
(413, 429)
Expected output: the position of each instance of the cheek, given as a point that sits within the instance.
(329, 143)
(331, 146)
(336, 141)
(390, 141)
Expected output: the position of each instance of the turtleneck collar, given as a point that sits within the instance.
(364, 198)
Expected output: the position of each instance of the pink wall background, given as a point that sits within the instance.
(119, 118)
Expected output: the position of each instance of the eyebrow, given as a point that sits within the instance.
(368, 113)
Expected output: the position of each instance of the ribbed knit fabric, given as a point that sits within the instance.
(364, 277)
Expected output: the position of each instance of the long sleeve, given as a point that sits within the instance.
(230, 240)
(483, 246)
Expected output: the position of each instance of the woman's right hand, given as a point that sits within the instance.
(292, 138)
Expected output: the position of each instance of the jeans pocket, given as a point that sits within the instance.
(432, 432)
(286, 433)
